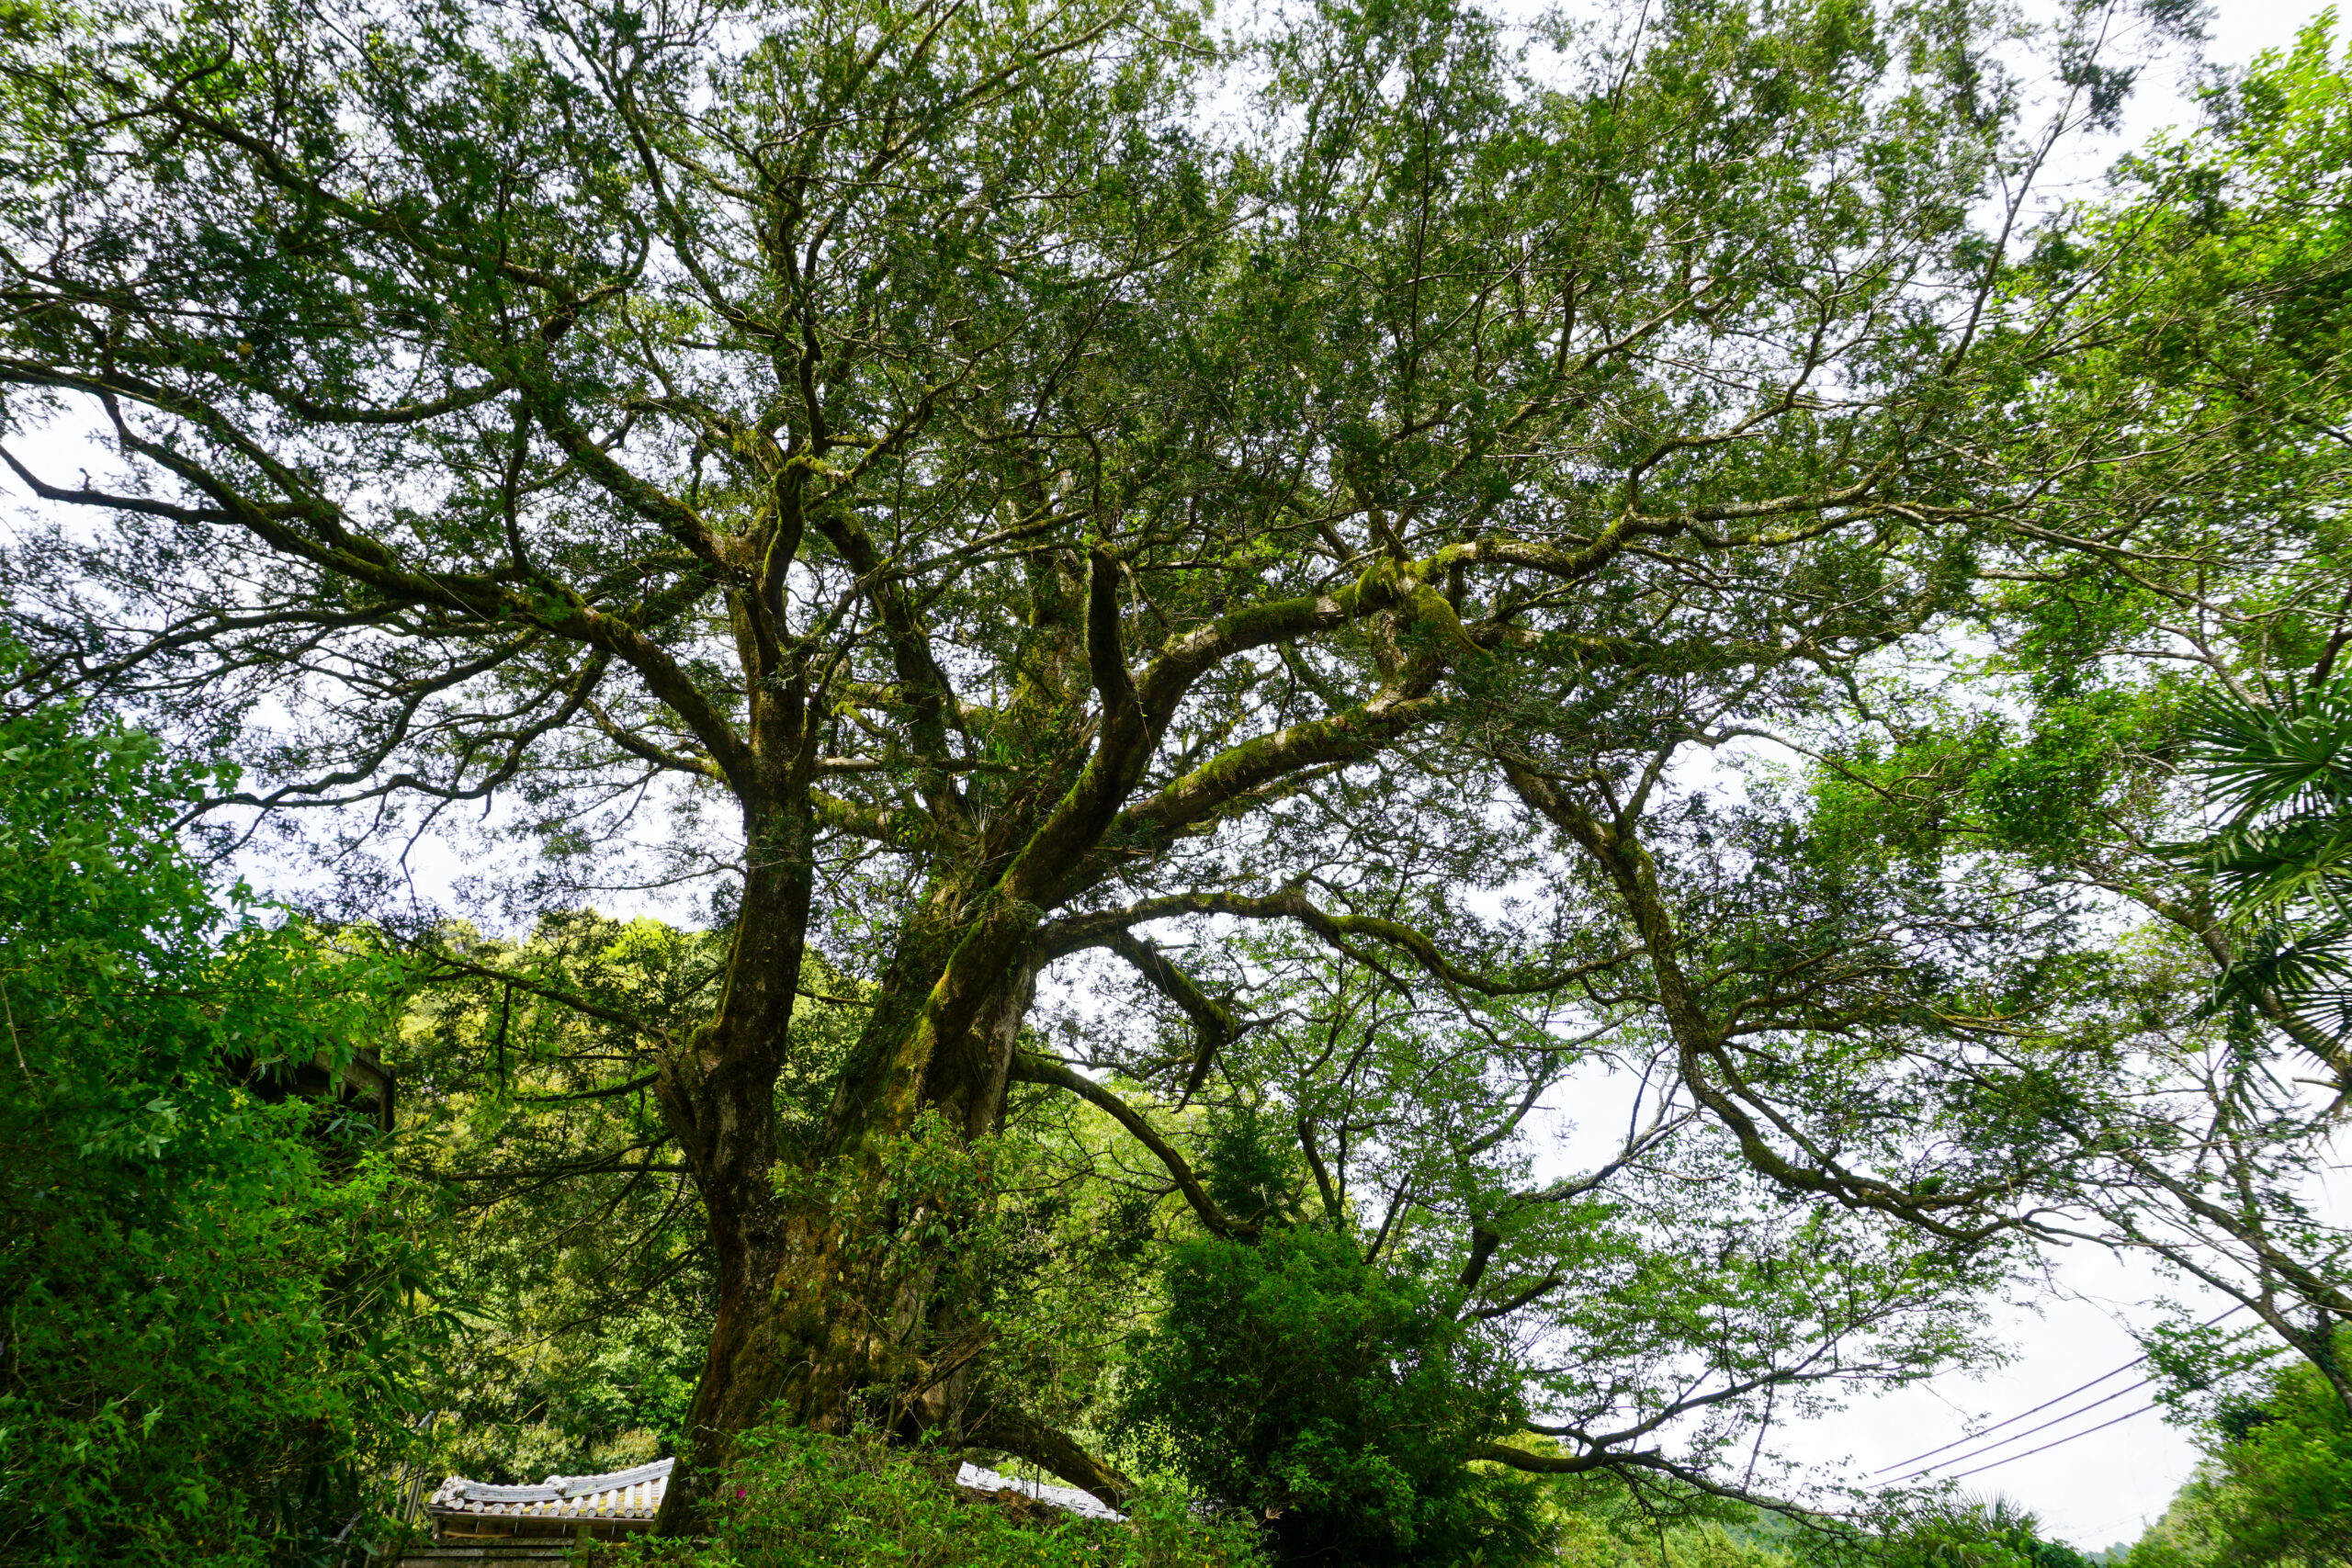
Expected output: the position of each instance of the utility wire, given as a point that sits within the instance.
(1974, 1437)
(2058, 1443)
(2131, 1387)
(1905, 1465)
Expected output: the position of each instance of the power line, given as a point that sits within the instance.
(1905, 1465)
(2029, 1431)
(2059, 1443)
(1973, 1437)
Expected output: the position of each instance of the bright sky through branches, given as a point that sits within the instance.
(2109, 1486)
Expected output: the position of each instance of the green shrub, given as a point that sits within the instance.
(1969, 1532)
(2287, 1496)
(801, 1499)
(2275, 1486)
(1332, 1400)
(205, 1339)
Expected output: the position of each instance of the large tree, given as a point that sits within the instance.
(998, 479)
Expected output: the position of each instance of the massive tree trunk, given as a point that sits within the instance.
(831, 1307)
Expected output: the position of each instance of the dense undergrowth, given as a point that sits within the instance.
(208, 1289)
(801, 1499)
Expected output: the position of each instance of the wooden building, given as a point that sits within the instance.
(476, 1525)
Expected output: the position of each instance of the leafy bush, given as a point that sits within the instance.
(205, 1343)
(1988, 1532)
(2290, 1494)
(2277, 1485)
(799, 1499)
(1606, 1522)
(1332, 1400)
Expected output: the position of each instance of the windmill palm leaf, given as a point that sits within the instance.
(2280, 861)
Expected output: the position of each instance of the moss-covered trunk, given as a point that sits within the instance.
(834, 1301)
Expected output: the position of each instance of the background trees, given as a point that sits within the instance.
(210, 1350)
(571, 1239)
(2277, 1440)
(2158, 685)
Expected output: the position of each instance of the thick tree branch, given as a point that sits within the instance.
(1052, 1450)
(1213, 1024)
(1699, 1040)
(1028, 1067)
(1099, 929)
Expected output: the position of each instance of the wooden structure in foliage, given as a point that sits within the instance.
(476, 1523)
(363, 1086)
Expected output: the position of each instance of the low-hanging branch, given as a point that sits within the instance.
(1029, 1068)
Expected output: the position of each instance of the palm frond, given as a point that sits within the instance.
(2294, 757)
(2280, 863)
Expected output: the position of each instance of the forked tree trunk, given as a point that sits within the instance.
(830, 1299)
(829, 1308)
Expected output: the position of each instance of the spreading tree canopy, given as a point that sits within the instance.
(987, 482)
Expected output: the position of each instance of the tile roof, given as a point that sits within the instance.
(634, 1495)
(631, 1495)
(1070, 1499)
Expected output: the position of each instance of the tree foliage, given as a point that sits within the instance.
(1295, 1380)
(2278, 773)
(907, 470)
(2145, 725)
(2274, 1484)
(211, 1347)
(801, 1499)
